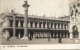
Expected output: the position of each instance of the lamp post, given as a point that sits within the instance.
(26, 6)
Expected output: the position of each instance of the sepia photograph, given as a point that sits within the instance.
(36, 22)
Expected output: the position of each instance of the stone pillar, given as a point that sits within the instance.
(29, 24)
(14, 27)
(19, 24)
(7, 34)
(23, 24)
(42, 25)
(67, 26)
(26, 6)
(33, 24)
(7, 23)
(63, 26)
(38, 24)
(53, 26)
(46, 25)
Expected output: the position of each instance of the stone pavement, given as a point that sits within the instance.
(14, 41)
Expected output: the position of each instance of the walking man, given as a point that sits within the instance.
(8, 38)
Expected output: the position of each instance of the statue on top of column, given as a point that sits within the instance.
(25, 2)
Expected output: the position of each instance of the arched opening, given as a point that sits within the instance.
(75, 32)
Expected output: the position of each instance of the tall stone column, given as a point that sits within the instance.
(60, 25)
(56, 25)
(25, 5)
(14, 27)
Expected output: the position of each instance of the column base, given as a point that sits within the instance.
(14, 37)
(24, 38)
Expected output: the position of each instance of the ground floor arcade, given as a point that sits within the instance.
(38, 33)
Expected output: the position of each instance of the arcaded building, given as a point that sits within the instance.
(24, 25)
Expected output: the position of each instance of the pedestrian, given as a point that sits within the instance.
(60, 40)
(8, 38)
(55, 37)
(37, 37)
(48, 38)
(30, 38)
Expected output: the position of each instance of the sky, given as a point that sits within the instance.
(50, 8)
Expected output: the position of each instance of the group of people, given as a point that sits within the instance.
(30, 38)
(59, 39)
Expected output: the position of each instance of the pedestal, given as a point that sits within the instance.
(24, 38)
(14, 37)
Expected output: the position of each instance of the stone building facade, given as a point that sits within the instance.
(14, 25)
(74, 19)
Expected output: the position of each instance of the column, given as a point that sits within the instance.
(14, 27)
(56, 25)
(49, 24)
(60, 25)
(19, 24)
(29, 24)
(26, 6)
(7, 23)
(42, 25)
(63, 26)
(67, 26)
(53, 26)
(45, 24)
(38, 24)
(62, 34)
(7, 34)
(23, 24)
(34, 24)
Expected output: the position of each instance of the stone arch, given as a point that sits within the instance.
(75, 31)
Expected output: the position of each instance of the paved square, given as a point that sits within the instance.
(14, 41)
